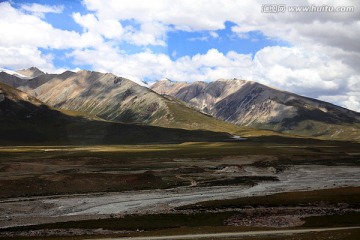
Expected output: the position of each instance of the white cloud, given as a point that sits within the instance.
(152, 66)
(23, 57)
(350, 100)
(23, 34)
(18, 28)
(108, 28)
(40, 10)
(157, 17)
(297, 70)
(183, 14)
(214, 34)
(308, 29)
(111, 29)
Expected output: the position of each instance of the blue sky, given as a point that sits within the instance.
(184, 43)
(313, 54)
(179, 43)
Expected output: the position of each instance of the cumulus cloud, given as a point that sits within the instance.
(18, 28)
(210, 15)
(23, 34)
(108, 28)
(21, 57)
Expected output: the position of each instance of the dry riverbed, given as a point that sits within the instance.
(36, 210)
(59, 186)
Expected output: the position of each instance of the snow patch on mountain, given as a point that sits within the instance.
(13, 73)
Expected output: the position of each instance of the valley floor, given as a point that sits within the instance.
(186, 188)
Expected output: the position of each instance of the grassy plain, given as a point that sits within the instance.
(49, 170)
(27, 171)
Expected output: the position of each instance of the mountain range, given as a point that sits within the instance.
(227, 105)
(26, 120)
(249, 103)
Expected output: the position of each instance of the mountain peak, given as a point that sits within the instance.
(166, 81)
(31, 72)
(34, 69)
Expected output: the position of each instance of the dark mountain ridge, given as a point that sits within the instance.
(26, 120)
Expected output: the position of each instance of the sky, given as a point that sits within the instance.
(315, 54)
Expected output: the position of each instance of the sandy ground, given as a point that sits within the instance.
(27, 211)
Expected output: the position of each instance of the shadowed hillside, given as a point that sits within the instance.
(26, 120)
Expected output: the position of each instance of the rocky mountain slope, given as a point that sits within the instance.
(26, 120)
(11, 80)
(104, 95)
(26, 79)
(252, 104)
(114, 98)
